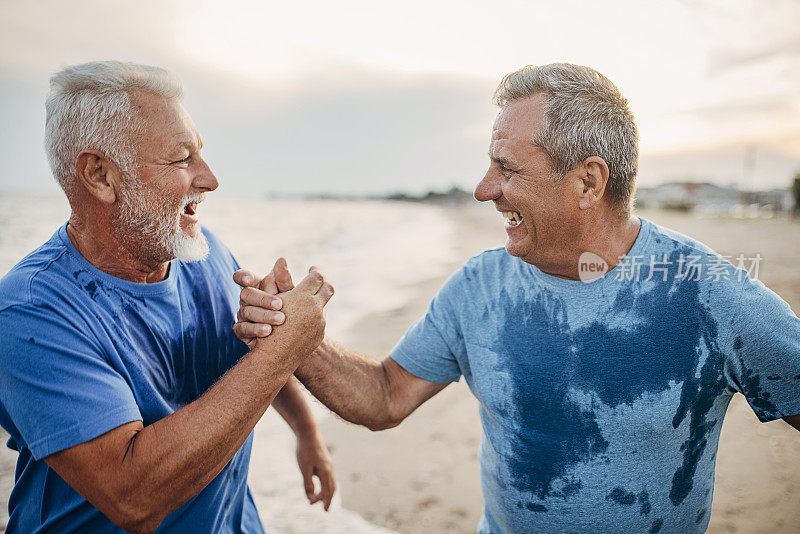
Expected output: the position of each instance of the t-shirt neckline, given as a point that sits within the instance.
(168, 284)
(639, 245)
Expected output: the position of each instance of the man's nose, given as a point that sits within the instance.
(205, 179)
(488, 188)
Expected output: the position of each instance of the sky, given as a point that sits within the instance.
(364, 97)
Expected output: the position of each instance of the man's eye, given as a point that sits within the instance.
(506, 170)
(184, 160)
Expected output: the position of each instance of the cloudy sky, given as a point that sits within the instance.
(361, 96)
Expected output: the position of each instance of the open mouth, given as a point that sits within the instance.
(513, 218)
(190, 208)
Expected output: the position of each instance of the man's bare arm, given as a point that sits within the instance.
(361, 390)
(138, 475)
(313, 457)
(293, 408)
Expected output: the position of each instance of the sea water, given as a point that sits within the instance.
(372, 252)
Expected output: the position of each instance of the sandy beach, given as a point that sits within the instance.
(423, 475)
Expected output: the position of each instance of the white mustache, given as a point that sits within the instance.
(195, 198)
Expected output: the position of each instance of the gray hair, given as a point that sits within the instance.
(584, 115)
(89, 107)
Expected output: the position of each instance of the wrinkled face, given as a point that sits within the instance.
(519, 181)
(157, 208)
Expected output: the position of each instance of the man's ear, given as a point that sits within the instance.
(99, 175)
(593, 179)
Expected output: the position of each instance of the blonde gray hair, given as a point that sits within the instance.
(89, 107)
(584, 115)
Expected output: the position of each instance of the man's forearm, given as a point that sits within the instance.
(173, 459)
(293, 407)
(353, 385)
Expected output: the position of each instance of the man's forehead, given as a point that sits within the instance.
(148, 103)
(165, 119)
(520, 118)
(502, 139)
(508, 134)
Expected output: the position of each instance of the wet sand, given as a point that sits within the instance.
(422, 476)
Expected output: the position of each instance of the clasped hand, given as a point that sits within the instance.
(265, 303)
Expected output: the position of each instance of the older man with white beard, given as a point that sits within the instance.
(122, 386)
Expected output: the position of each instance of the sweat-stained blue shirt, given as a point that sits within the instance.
(602, 402)
(82, 352)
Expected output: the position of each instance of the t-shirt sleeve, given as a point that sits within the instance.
(429, 347)
(55, 384)
(766, 353)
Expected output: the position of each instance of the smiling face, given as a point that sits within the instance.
(156, 213)
(540, 211)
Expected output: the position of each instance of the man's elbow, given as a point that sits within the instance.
(389, 411)
(135, 512)
(138, 525)
(376, 426)
(385, 421)
(137, 521)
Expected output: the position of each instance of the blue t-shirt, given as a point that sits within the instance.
(602, 402)
(83, 352)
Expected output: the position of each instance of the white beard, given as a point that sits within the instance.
(154, 225)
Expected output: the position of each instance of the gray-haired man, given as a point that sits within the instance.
(602, 400)
(123, 388)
